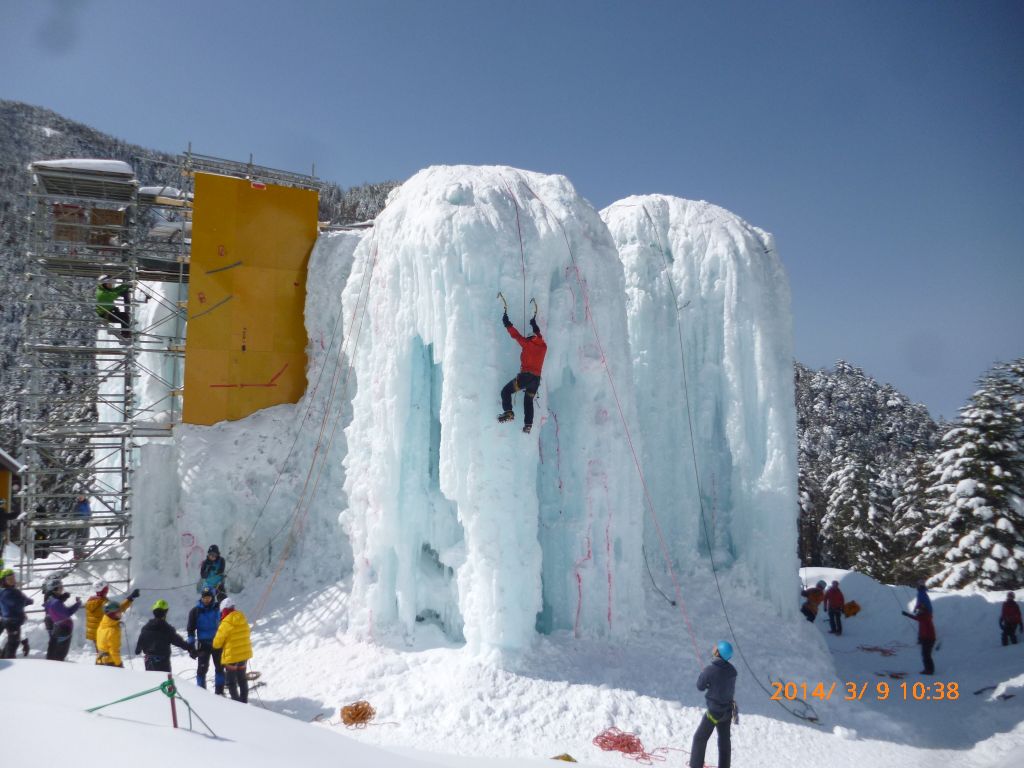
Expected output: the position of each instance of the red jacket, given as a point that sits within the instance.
(534, 349)
(834, 600)
(1011, 613)
(925, 628)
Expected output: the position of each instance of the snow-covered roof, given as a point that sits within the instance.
(94, 179)
(115, 167)
(166, 195)
(159, 192)
(10, 463)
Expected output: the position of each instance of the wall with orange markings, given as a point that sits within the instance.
(245, 344)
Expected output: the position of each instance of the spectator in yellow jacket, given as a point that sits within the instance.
(108, 637)
(232, 639)
(95, 605)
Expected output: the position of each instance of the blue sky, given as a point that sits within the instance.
(882, 142)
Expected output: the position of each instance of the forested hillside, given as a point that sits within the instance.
(886, 491)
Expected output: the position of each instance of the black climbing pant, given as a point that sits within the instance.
(238, 683)
(926, 656)
(835, 621)
(60, 643)
(700, 741)
(206, 652)
(13, 628)
(530, 384)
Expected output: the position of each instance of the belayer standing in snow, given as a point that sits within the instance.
(203, 621)
(108, 636)
(211, 573)
(531, 361)
(834, 604)
(12, 612)
(59, 621)
(232, 639)
(96, 605)
(814, 597)
(1009, 619)
(925, 635)
(719, 681)
(157, 637)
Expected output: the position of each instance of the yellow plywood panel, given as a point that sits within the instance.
(246, 341)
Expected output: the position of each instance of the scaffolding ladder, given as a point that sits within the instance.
(82, 416)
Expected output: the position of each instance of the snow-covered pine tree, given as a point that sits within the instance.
(977, 492)
(910, 517)
(844, 417)
(844, 526)
(812, 509)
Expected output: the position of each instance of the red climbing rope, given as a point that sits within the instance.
(629, 744)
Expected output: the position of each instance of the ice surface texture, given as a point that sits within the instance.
(723, 281)
(456, 518)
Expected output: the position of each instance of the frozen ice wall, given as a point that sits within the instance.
(455, 519)
(708, 297)
(267, 489)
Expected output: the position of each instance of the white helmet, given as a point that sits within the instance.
(104, 279)
(100, 585)
(52, 584)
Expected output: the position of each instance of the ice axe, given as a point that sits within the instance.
(502, 297)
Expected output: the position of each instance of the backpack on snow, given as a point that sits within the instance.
(852, 608)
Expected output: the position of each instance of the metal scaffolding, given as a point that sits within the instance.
(83, 413)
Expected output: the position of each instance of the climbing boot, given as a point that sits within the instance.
(506, 416)
(527, 428)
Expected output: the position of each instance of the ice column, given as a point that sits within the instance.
(454, 518)
(724, 282)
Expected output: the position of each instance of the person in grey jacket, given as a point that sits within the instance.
(718, 680)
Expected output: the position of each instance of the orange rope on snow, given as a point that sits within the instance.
(629, 744)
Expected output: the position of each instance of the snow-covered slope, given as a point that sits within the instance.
(434, 699)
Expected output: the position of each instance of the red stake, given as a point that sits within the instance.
(174, 712)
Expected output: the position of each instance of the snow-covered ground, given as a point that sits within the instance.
(438, 704)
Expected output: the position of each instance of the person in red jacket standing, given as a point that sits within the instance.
(1009, 619)
(528, 379)
(925, 636)
(834, 602)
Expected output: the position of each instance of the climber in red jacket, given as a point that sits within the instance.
(528, 379)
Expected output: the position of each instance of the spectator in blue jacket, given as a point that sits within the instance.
(80, 536)
(211, 573)
(718, 680)
(203, 621)
(12, 612)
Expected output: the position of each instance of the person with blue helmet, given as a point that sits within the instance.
(203, 621)
(718, 681)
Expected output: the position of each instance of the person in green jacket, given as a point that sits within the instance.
(106, 295)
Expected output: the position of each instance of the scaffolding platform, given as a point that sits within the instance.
(81, 414)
